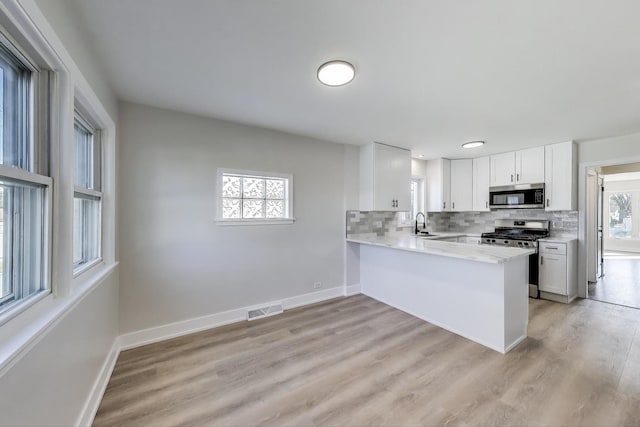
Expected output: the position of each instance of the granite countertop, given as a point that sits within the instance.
(432, 246)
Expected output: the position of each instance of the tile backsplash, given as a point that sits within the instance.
(378, 222)
(382, 222)
(563, 223)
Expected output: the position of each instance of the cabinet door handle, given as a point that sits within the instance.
(547, 202)
(541, 260)
(555, 248)
(444, 205)
(511, 177)
(453, 205)
(518, 177)
(486, 204)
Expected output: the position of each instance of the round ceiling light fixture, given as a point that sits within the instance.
(473, 144)
(336, 73)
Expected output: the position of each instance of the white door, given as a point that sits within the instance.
(481, 178)
(530, 166)
(600, 220)
(553, 273)
(503, 169)
(462, 185)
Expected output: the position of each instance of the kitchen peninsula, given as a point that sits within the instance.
(477, 291)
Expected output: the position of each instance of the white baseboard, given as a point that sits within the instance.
(352, 290)
(184, 327)
(99, 387)
(313, 297)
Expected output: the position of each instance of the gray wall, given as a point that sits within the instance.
(51, 383)
(63, 17)
(176, 263)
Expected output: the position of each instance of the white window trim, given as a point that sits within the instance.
(38, 163)
(79, 116)
(19, 335)
(267, 221)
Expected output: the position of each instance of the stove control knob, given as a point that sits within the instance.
(520, 243)
(506, 242)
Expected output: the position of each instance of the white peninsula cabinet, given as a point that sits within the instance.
(561, 177)
(385, 178)
(438, 185)
(481, 184)
(518, 167)
(462, 185)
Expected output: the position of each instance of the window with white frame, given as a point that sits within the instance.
(25, 187)
(249, 197)
(87, 196)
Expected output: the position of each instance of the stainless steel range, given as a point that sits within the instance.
(524, 234)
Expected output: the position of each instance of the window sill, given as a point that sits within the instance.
(86, 267)
(284, 221)
(25, 330)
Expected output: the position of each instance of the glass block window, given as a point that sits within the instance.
(246, 196)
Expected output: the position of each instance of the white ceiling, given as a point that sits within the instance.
(430, 74)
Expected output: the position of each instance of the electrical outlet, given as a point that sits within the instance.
(317, 285)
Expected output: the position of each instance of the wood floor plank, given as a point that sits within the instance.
(355, 361)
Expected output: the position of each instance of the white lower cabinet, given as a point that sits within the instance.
(557, 269)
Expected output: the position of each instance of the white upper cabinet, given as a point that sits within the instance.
(530, 166)
(518, 167)
(438, 185)
(561, 177)
(481, 184)
(385, 178)
(462, 185)
(503, 169)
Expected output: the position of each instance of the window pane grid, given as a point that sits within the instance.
(253, 197)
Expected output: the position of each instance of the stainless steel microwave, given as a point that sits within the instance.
(521, 196)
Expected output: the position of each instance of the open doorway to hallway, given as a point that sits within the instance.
(613, 222)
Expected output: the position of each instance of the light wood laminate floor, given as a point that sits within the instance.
(355, 361)
(621, 282)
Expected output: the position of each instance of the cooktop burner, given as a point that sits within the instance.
(517, 233)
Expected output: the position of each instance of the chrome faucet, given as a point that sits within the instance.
(424, 222)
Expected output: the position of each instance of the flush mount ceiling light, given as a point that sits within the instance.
(336, 73)
(473, 144)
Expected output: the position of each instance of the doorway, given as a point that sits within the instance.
(613, 234)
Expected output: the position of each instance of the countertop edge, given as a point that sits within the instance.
(440, 253)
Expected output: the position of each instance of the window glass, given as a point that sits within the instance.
(87, 199)
(84, 156)
(254, 197)
(620, 215)
(22, 232)
(86, 229)
(15, 147)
